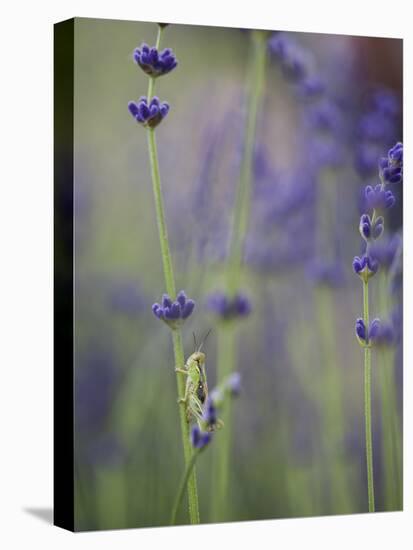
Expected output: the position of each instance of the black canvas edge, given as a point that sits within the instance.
(63, 429)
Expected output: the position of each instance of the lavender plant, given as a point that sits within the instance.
(240, 220)
(149, 111)
(323, 137)
(371, 228)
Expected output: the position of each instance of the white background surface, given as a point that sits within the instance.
(26, 274)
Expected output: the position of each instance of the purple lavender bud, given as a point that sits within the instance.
(386, 334)
(175, 311)
(233, 384)
(218, 304)
(378, 227)
(154, 63)
(210, 413)
(242, 306)
(357, 265)
(157, 310)
(199, 439)
(392, 172)
(166, 301)
(325, 116)
(378, 198)
(374, 330)
(326, 273)
(389, 199)
(396, 154)
(188, 309)
(361, 331)
(385, 250)
(365, 227)
(386, 102)
(312, 87)
(133, 108)
(181, 298)
(383, 163)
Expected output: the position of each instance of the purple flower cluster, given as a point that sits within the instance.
(296, 66)
(326, 273)
(154, 63)
(151, 114)
(151, 111)
(376, 127)
(377, 198)
(391, 167)
(174, 313)
(229, 308)
(199, 438)
(371, 229)
(367, 336)
(365, 267)
(385, 250)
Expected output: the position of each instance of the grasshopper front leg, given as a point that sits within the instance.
(182, 371)
(185, 398)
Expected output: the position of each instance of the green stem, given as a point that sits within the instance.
(367, 402)
(171, 290)
(221, 452)
(226, 345)
(333, 410)
(391, 440)
(182, 485)
(256, 77)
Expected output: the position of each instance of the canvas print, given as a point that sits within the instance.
(228, 285)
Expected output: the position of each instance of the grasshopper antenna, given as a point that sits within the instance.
(205, 339)
(193, 334)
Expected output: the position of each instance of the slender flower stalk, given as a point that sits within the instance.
(150, 112)
(202, 430)
(182, 486)
(227, 356)
(368, 333)
(256, 76)
(367, 402)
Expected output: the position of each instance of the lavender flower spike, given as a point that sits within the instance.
(174, 313)
(149, 115)
(154, 63)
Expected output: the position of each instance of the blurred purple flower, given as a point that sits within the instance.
(229, 308)
(199, 439)
(125, 297)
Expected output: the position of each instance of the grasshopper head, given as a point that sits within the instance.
(199, 357)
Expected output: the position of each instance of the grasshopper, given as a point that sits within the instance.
(196, 388)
